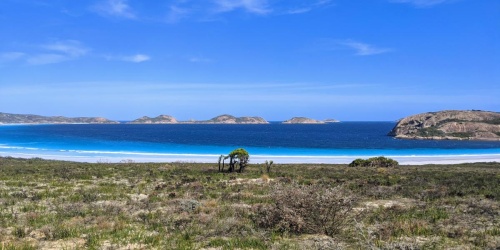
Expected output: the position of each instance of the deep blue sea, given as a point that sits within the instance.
(343, 141)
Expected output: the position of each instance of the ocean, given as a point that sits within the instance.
(286, 143)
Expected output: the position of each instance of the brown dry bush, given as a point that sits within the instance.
(305, 209)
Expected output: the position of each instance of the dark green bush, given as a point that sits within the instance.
(374, 162)
(358, 163)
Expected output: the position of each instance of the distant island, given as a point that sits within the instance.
(450, 125)
(331, 121)
(6, 118)
(161, 119)
(221, 119)
(303, 120)
(229, 119)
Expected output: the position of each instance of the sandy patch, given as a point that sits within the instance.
(403, 202)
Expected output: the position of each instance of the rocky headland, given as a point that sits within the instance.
(303, 120)
(450, 125)
(6, 118)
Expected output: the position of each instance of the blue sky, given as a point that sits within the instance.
(342, 59)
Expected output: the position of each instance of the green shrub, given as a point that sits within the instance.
(379, 162)
(358, 163)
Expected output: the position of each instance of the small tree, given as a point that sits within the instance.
(240, 157)
(237, 157)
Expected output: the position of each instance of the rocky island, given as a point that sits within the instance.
(221, 119)
(450, 125)
(303, 120)
(6, 118)
(161, 119)
(229, 119)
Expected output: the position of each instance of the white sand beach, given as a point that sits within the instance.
(112, 157)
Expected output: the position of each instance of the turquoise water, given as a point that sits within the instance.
(195, 142)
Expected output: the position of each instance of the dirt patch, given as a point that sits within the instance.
(61, 244)
(256, 181)
(403, 202)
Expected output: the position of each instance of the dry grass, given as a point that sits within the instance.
(66, 205)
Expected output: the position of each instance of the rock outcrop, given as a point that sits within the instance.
(229, 119)
(161, 119)
(302, 120)
(6, 118)
(450, 125)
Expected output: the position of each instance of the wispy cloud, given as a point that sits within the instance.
(70, 48)
(137, 58)
(199, 59)
(11, 56)
(177, 13)
(306, 7)
(278, 7)
(41, 59)
(115, 8)
(422, 3)
(212, 9)
(298, 11)
(363, 49)
(253, 6)
(57, 52)
(61, 51)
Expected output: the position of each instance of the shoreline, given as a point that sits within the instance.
(117, 157)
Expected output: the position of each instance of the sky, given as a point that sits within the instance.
(361, 60)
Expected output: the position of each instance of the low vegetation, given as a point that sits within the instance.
(67, 205)
(464, 135)
(379, 162)
(431, 132)
(312, 209)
